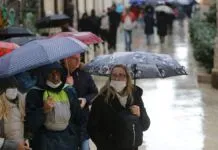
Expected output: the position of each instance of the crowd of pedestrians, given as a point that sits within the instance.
(63, 108)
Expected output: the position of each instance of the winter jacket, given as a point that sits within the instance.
(13, 125)
(161, 23)
(43, 138)
(149, 23)
(85, 88)
(102, 124)
(131, 15)
(4, 143)
(128, 21)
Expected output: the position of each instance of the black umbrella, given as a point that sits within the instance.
(53, 21)
(140, 64)
(23, 40)
(14, 32)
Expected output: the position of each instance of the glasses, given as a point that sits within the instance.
(120, 76)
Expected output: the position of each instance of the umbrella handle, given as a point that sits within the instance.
(134, 69)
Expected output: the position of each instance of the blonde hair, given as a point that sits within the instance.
(111, 92)
(5, 108)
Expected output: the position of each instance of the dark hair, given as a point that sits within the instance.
(6, 83)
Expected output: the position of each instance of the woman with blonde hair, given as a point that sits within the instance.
(118, 116)
(12, 115)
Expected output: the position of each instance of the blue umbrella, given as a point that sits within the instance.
(38, 53)
(137, 2)
(141, 64)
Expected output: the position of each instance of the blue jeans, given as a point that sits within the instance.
(85, 145)
(128, 39)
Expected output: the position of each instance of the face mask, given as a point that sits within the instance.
(118, 85)
(52, 85)
(11, 93)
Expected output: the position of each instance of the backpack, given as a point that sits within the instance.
(129, 133)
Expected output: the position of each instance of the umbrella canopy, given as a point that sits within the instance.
(85, 37)
(14, 32)
(140, 64)
(164, 8)
(23, 40)
(6, 47)
(53, 21)
(137, 2)
(38, 53)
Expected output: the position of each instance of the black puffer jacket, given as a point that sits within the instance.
(102, 120)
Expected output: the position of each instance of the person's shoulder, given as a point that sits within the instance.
(34, 92)
(137, 90)
(84, 73)
(99, 99)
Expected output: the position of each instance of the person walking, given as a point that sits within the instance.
(94, 25)
(118, 116)
(12, 112)
(128, 20)
(104, 27)
(86, 91)
(149, 25)
(161, 25)
(84, 23)
(52, 111)
(114, 21)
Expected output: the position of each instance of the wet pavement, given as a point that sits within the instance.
(183, 112)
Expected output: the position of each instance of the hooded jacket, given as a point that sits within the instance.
(43, 138)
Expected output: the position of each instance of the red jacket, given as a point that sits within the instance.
(132, 16)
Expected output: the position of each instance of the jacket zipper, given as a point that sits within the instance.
(133, 128)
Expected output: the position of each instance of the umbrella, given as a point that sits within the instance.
(38, 53)
(85, 37)
(137, 2)
(6, 47)
(14, 32)
(53, 21)
(23, 40)
(140, 64)
(164, 8)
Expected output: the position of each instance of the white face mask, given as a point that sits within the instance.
(11, 93)
(52, 85)
(118, 85)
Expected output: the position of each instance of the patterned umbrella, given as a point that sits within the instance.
(140, 64)
(6, 47)
(38, 53)
(85, 37)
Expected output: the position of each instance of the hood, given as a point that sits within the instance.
(7, 83)
(42, 75)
